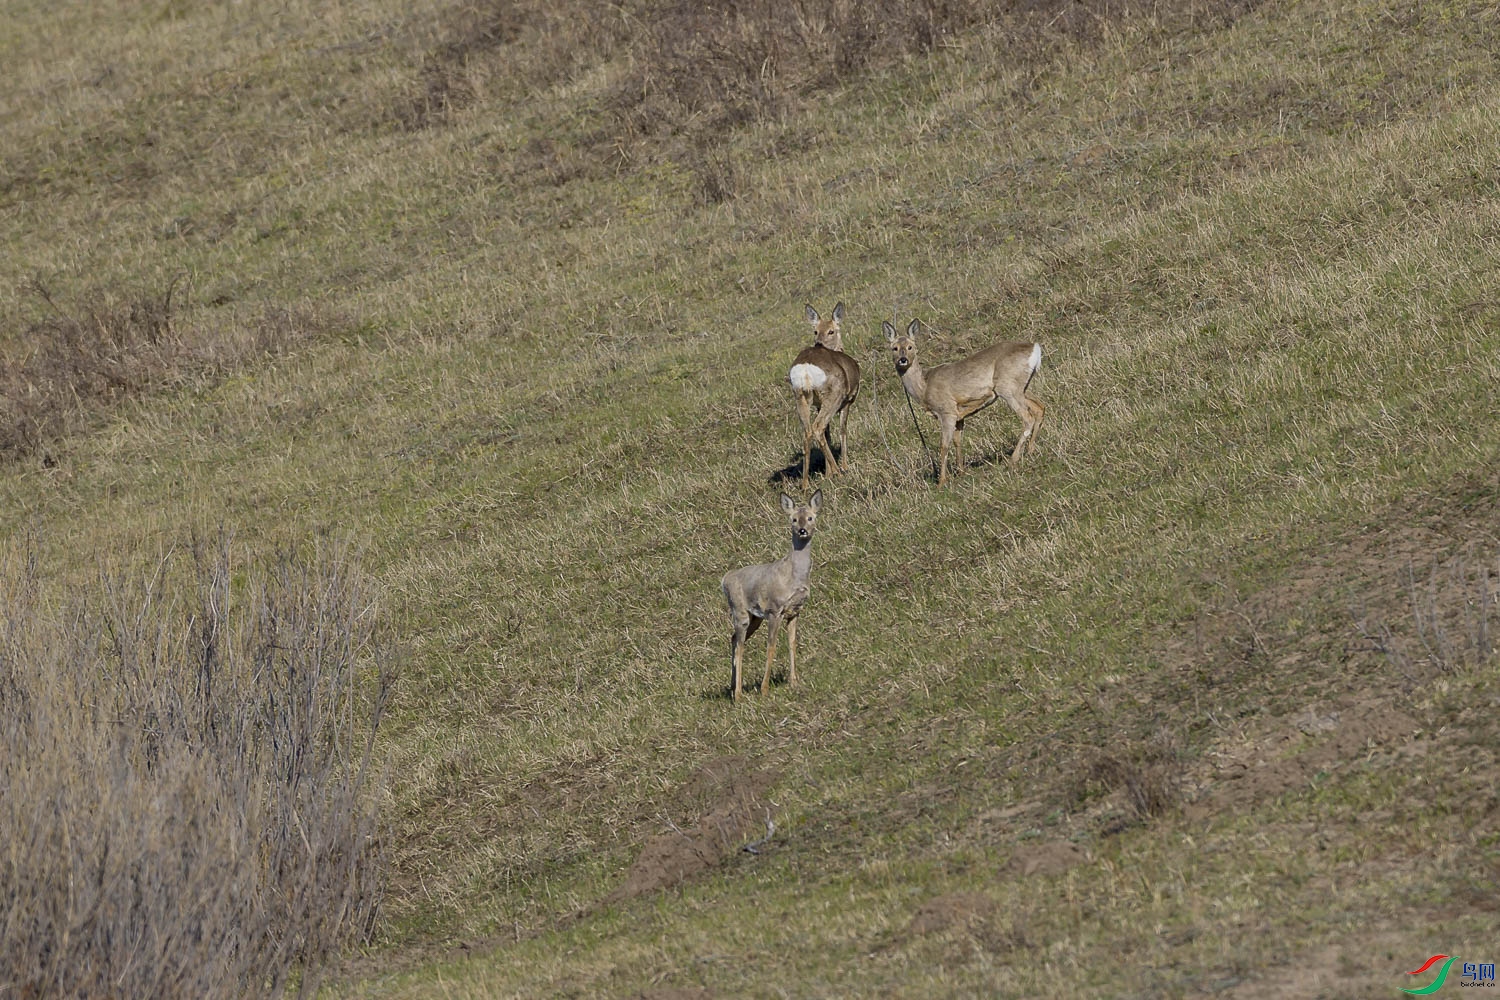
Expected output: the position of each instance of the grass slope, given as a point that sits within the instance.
(1105, 724)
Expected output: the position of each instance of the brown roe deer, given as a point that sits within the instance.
(824, 374)
(956, 391)
(773, 593)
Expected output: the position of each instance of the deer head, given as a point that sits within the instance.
(903, 347)
(827, 333)
(802, 516)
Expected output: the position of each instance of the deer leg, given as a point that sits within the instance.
(736, 650)
(804, 410)
(1037, 410)
(775, 627)
(958, 445)
(844, 437)
(744, 627)
(1023, 410)
(948, 430)
(791, 643)
(820, 431)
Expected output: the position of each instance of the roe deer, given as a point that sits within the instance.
(825, 374)
(956, 391)
(773, 593)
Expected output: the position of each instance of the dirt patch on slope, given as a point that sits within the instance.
(1382, 575)
(733, 812)
(1263, 691)
(1315, 671)
(1052, 858)
(1370, 963)
(941, 913)
(1291, 756)
(968, 920)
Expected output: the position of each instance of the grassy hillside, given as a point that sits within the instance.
(1199, 700)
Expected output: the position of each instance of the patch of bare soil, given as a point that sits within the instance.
(1371, 574)
(1334, 696)
(941, 913)
(1369, 964)
(1050, 858)
(963, 922)
(726, 794)
(1290, 756)
(734, 812)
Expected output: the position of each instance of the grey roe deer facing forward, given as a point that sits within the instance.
(824, 374)
(956, 391)
(773, 593)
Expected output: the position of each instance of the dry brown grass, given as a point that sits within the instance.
(78, 360)
(509, 45)
(683, 70)
(187, 808)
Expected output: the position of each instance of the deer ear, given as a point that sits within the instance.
(786, 503)
(815, 500)
(911, 330)
(888, 330)
(812, 314)
(838, 313)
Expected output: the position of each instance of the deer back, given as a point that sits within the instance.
(842, 371)
(1003, 369)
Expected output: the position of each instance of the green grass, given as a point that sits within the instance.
(1259, 258)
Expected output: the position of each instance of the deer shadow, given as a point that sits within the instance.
(751, 689)
(792, 471)
(989, 459)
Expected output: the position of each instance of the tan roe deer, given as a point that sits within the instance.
(773, 593)
(956, 391)
(824, 374)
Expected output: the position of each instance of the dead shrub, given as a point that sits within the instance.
(514, 45)
(718, 178)
(1148, 773)
(81, 360)
(696, 70)
(104, 353)
(720, 65)
(186, 800)
(1451, 617)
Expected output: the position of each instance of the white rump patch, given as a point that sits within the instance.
(1036, 356)
(807, 378)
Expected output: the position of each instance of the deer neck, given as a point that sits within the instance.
(914, 380)
(800, 558)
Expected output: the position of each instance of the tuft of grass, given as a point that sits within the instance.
(109, 352)
(1149, 776)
